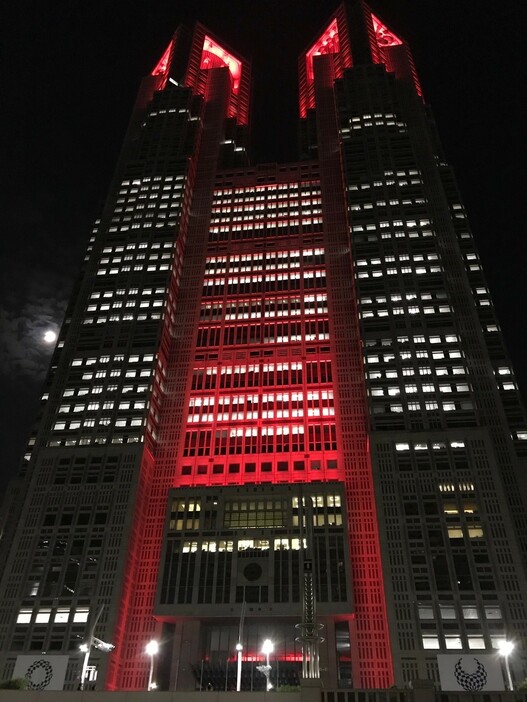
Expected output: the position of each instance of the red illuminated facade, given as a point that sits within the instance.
(270, 374)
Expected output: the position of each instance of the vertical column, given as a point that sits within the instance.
(136, 625)
(375, 669)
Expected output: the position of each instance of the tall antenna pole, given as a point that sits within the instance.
(309, 628)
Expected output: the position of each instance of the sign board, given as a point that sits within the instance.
(470, 672)
(42, 672)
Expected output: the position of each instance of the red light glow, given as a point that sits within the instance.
(393, 52)
(259, 658)
(327, 43)
(162, 65)
(384, 36)
(209, 59)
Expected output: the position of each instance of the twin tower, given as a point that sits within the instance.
(279, 407)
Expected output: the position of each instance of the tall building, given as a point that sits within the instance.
(279, 406)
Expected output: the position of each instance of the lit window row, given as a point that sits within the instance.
(121, 318)
(392, 178)
(267, 406)
(401, 257)
(270, 223)
(259, 278)
(408, 355)
(116, 373)
(98, 389)
(301, 203)
(153, 192)
(117, 358)
(278, 204)
(278, 333)
(119, 304)
(57, 616)
(449, 338)
(139, 217)
(128, 292)
(268, 256)
(126, 269)
(304, 186)
(403, 269)
(101, 422)
(96, 440)
(434, 445)
(96, 406)
(281, 544)
(247, 440)
(396, 297)
(392, 373)
(411, 309)
(265, 375)
(155, 256)
(274, 307)
(394, 202)
(395, 390)
(454, 641)
(145, 225)
(148, 182)
(278, 282)
(428, 405)
(122, 248)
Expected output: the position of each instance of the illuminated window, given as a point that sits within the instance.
(62, 616)
(476, 642)
(430, 642)
(43, 616)
(426, 613)
(24, 616)
(453, 641)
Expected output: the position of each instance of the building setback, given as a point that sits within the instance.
(280, 405)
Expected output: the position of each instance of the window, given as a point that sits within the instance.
(430, 642)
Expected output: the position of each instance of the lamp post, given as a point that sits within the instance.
(505, 649)
(152, 648)
(86, 647)
(239, 649)
(267, 649)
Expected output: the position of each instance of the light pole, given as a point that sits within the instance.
(505, 649)
(86, 647)
(152, 648)
(239, 649)
(267, 649)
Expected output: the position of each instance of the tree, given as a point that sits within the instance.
(14, 684)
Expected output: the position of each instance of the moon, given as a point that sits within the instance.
(50, 336)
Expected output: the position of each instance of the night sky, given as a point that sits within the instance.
(70, 74)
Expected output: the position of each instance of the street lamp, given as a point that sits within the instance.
(267, 649)
(505, 648)
(239, 649)
(152, 648)
(92, 642)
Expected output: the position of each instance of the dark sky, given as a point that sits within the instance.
(70, 74)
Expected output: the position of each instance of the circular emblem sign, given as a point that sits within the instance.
(39, 675)
(471, 682)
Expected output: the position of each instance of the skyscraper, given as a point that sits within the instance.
(279, 406)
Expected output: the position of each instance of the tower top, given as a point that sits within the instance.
(354, 36)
